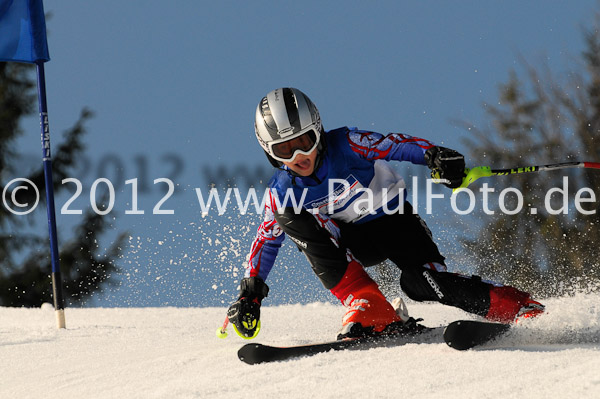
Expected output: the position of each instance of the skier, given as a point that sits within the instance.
(354, 214)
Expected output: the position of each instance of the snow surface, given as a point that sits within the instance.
(174, 353)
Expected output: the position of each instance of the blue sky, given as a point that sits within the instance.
(174, 86)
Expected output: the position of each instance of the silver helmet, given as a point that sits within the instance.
(287, 123)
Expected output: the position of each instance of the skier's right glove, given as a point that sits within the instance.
(244, 314)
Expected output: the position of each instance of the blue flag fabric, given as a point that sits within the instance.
(23, 31)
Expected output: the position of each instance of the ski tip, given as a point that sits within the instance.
(452, 332)
(248, 353)
(466, 334)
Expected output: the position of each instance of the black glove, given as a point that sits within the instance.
(244, 314)
(446, 164)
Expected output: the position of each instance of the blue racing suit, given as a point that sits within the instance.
(355, 160)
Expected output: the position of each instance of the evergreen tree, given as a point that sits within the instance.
(542, 120)
(24, 257)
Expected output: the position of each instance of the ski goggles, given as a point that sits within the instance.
(286, 150)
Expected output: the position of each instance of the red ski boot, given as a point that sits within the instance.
(369, 313)
(508, 305)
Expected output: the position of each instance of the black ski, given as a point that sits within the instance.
(259, 353)
(466, 334)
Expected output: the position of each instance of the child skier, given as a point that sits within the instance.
(354, 214)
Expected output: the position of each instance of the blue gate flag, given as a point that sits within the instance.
(23, 31)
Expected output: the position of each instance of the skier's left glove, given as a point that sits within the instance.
(446, 164)
(244, 314)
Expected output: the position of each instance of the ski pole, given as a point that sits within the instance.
(486, 171)
(222, 331)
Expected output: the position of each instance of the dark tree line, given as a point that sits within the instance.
(542, 118)
(24, 244)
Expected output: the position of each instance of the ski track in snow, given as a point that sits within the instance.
(174, 353)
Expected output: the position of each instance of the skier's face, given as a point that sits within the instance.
(304, 165)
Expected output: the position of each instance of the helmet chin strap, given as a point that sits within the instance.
(321, 150)
(275, 163)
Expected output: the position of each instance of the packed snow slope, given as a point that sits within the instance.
(174, 353)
